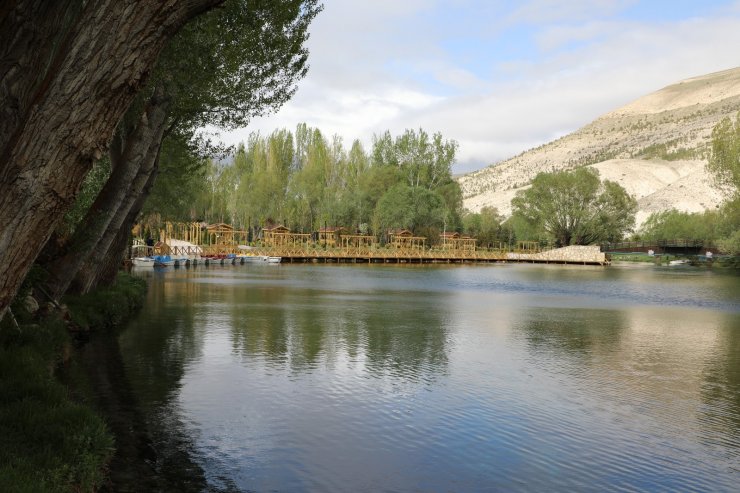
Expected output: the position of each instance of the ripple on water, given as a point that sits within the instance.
(505, 378)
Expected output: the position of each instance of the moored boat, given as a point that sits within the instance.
(250, 258)
(682, 261)
(143, 262)
(163, 261)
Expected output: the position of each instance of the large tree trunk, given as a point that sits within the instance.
(109, 265)
(135, 195)
(59, 120)
(132, 161)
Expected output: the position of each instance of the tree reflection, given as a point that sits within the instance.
(156, 349)
(572, 332)
(303, 329)
(721, 387)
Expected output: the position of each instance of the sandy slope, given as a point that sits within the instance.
(656, 147)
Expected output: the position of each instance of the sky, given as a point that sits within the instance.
(499, 77)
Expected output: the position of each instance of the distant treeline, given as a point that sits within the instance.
(306, 181)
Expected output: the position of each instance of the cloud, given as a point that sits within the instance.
(397, 65)
(549, 11)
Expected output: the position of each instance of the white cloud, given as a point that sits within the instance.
(381, 65)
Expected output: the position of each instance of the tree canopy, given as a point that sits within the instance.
(576, 207)
(307, 180)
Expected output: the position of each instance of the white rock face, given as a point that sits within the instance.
(655, 147)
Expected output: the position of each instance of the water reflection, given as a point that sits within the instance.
(301, 329)
(158, 348)
(720, 392)
(660, 385)
(329, 378)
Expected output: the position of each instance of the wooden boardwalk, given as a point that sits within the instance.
(377, 255)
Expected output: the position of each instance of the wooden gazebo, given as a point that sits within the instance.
(220, 234)
(330, 235)
(357, 241)
(467, 243)
(403, 238)
(449, 240)
(281, 236)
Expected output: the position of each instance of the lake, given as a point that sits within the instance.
(336, 378)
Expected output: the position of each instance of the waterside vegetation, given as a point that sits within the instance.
(53, 437)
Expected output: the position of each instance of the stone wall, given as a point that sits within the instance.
(575, 254)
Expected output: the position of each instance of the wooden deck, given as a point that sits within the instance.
(372, 255)
(524, 252)
(383, 255)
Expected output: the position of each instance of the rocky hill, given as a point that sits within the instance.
(656, 147)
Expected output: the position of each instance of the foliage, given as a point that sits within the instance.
(422, 161)
(731, 244)
(109, 307)
(49, 443)
(673, 224)
(223, 68)
(720, 226)
(411, 208)
(306, 180)
(487, 226)
(180, 182)
(91, 186)
(724, 162)
(576, 207)
(235, 62)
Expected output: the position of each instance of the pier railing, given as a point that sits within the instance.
(350, 252)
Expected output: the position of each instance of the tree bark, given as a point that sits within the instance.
(110, 263)
(59, 120)
(131, 162)
(151, 142)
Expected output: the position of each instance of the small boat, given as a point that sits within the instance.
(682, 261)
(143, 262)
(273, 260)
(163, 261)
(215, 259)
(250, 258)
(141, 256)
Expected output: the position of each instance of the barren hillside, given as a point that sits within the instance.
(655, 147)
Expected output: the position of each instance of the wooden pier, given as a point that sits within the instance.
(335, 245)
(389, 255)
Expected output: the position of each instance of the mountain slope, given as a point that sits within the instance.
(656, 147)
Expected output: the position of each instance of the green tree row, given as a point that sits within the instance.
(305, 181)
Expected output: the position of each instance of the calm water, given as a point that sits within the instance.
(466, 378)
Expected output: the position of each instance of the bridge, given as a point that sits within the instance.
(672, 247)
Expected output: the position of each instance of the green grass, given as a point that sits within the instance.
(632, 257)
(106, 308)
(50, 442)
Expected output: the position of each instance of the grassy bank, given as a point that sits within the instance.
(51, 438)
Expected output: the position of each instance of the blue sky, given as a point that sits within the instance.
(499, 77)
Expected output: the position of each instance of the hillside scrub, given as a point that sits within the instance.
(52, 438)
(724, 163)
